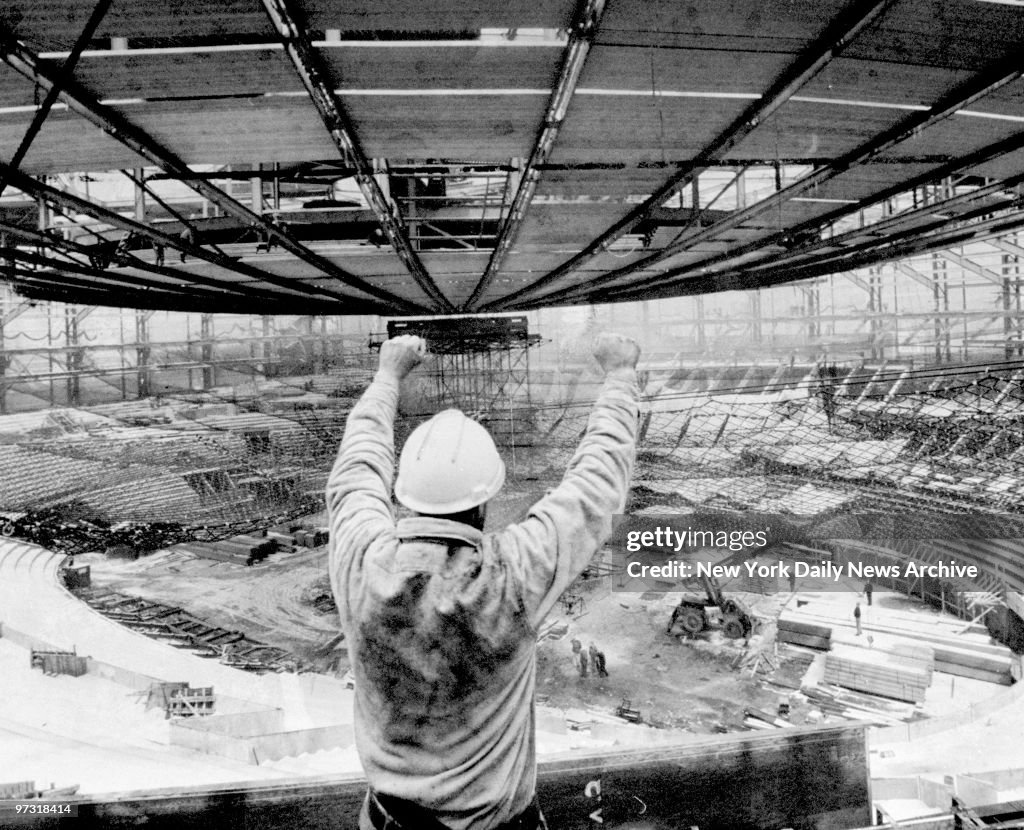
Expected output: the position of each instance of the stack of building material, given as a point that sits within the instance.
(240, 550)
(800, 632)
(58, 662)
(311, 537)
(911, 655)
(959, 648)
(878, 673)
(17, 789)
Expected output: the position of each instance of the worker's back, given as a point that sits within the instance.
(443, 656)
(441, 619)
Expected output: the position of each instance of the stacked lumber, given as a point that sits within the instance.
(240, 550)
(311, 537)
(877, 673)
(921, 657)
(960, 648)
(800, 632)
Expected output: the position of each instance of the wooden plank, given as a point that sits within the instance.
(776, 25)
(549, 225)
(800, 626)
(485, 128)
(614, 66)
(894, 82)
(795, 638)
(875, 673)
(1003, 678)
(601, 181)
(265, 68)
(975, 35)
(57, 22)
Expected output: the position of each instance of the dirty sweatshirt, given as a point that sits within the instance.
(441, 620)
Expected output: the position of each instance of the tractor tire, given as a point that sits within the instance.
(733, 629)
(693, 621)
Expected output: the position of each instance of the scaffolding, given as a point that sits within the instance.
(480, 365)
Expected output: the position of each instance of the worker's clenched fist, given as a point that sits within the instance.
(614, 351)
(400, 355)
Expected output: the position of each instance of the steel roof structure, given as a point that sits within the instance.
(508, 155)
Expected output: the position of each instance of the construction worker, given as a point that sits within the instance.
(441, 618)
(579, 658)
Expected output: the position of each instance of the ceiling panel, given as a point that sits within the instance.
(663, 83)
(57, 23)
(602, 181)
(478, 127)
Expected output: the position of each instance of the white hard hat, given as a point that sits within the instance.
(448, 464)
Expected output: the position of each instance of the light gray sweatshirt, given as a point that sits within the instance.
(441, 620)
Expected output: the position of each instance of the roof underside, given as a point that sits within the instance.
(505, 155)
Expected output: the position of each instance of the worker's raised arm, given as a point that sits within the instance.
(563, 530)
(359, 486)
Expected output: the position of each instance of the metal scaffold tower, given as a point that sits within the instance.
(480, 365)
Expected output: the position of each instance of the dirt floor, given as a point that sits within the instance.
(271, 601)
(694, 684)
(701, 684)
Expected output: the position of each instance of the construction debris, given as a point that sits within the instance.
(179, 628)
(179, 700)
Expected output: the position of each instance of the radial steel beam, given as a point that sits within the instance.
(961, 96)
(973, 159)
(128, 279)
(65, 268)
(835, 38)
(16, 55)
(64, 74)
(220, 286)
(140, 183)
(309, 67)
(853, 241)
(69, 201)
(581, 35)
(52, 286)
(884, 250)
(125, 290)
(949, 167)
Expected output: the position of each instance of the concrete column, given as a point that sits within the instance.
(140, 197)
(206, 350)
(1011, 291)
(266, 352)
(701, 333)
(756, 327)
(73, 355)
(324, 347)
(143, 371)
(3, 353)
(256, 191)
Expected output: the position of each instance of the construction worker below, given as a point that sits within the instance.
(441, 618)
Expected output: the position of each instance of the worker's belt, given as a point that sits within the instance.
(389, 813)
